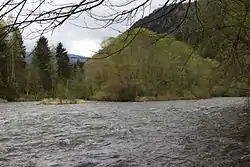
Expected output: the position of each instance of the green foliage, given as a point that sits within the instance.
(17, 64)
(63, 68)
(11, 62)
(218, 29)
(42, 56)
(148, 68)
(207, 56)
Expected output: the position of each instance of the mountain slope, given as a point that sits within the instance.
(193, 23)
(163, 21)
(73, 58)
(216, 29)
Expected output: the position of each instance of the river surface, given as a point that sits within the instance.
(211, 132)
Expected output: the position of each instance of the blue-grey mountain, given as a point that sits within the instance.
(73, 58)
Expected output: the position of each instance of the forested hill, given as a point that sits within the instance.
(216, 29)
(209, 26)
(167, 19)
(162, 20)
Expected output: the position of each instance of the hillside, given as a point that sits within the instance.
(192, 23)
(216, 29)
(209, 26)
(163, 22)
(160, 21)
(73, 58)
(142, 70)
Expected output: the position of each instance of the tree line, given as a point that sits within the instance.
(150, 67)
(49, 68)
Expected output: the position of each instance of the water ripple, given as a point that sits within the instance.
(191, 133)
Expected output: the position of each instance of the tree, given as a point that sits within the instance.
(63, 67)
(217, 29)
(145, 70)
(42, 57)
(53, 14)
(16, 60)
(3, 65)
(53, 69)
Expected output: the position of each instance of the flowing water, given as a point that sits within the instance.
(212, 132)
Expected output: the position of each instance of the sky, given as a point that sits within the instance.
(84, 41)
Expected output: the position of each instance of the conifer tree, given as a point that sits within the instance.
(63, 67)
(42, 62)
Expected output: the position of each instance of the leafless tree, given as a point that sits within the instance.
(47, 15)
(50, 14)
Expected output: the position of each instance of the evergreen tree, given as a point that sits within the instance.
(63, 67)
(42, 59)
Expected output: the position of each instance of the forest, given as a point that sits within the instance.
(205, 56)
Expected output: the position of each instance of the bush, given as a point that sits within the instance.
(9, 93)
(100, 96)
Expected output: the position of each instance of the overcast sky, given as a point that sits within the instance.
(84, 41)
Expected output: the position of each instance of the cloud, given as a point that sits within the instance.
(85, 47)
(83, 41)
(77, 40)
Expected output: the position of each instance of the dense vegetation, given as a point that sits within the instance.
(48, 69)
(216, 29)
(154, 67)
(203, 56)
(207, 25)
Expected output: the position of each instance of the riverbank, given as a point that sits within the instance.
(54, 101)
(77, 101)
(3, 101)
(165, 98)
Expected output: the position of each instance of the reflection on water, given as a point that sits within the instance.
(212, 132)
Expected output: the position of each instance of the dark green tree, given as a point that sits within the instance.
(41, 60)
(63, 67)
(3, 66)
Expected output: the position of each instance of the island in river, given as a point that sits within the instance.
(52, 101)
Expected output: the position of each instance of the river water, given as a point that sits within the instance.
(211, 132)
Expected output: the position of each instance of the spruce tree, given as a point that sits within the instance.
(63, 67)
(42, 57)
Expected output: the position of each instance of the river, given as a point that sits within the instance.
(211, 132)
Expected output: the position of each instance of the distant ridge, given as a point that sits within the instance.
(72, 58)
